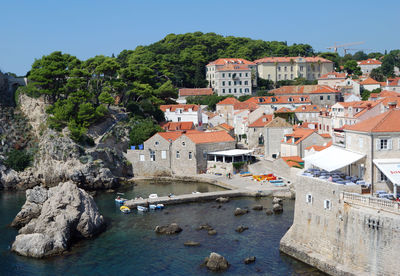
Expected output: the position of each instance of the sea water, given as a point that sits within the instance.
(129, 246)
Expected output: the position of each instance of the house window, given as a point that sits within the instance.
(279, 68)
(247, 74)
(229, 83)
(246, 82)
(301, 68)
(179, 119)
(190, 155)
(223, 75)
(229, 75)
(361, 142)
(234, 90)
(291, 76)
(163, 154)
(384, 144)
(178, 155)
(240, 74)
(279, 76)
(285, 68)
(246, 90)
(156, 143)
(241, 90)
(152, 155)
(230, 90)
(327, 204)
(329, 97)
(183, 144)
(141, 157)
(382, 177)
(309, 198)
(223, 83)
(223, 90)
(291, 68)
(285, 76)
(321, 97)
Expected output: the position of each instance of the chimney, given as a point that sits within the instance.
(392, 105)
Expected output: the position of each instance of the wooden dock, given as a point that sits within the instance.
(178, 199)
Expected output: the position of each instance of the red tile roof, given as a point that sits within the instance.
(173, 135)
(195, 92)
(226, 126)
(303, 89)
(283, 110)
(245, 105)
(228, 101)
(210, 137)
(369, 81)
(319, 148)
(333, 75)
(234, 67)
(385, 122)
(262, 121)
(293, 161)
(369, 61)
(223, 61)
(325, 135)
(301, 133)
(279, 99)
(291, 59)
(174, 126)
(185, 107)
(307, 108)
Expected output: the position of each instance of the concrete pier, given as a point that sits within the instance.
(178, 199)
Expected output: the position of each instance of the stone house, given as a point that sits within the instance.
(392, 85)
(378, 139)
(177, 126)
(273, 135)
(307, 113)
(224, 127)
(290, 68)
(182, 153)
(226, 109)
(192, 92)
(370, 84)
(295, 143)
(349, 86)
(368, 65)
(332, 79)
(255, 133)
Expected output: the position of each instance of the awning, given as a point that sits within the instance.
(232, 152)
(390, 168)
(333, 158)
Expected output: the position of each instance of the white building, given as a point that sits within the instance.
(233, 76)
(369, 64)
(183, 113)
(332, 79)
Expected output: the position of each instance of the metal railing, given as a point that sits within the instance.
(373, 202)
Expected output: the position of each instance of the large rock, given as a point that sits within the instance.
(277, 208)
(239, 211)
(222, 199)
(52, 219)
(258, 207)
(250, 260)
(173, 228)
(241, 228)
(277, 200)
(216, 262)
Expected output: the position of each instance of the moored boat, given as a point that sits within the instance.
(160, 206)
(120, 200)
(141, 208)
(152, 206)
(153, 196)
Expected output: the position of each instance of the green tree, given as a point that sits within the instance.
(360, 55)
(352, 68)
(18, 159)
(377, 74)
(143, 130)
(106, 98)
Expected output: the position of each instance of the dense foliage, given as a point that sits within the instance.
(18, 159)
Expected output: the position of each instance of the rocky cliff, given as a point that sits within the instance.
(50, 220)
(58, 158)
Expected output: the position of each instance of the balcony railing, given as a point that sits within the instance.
(377, 203)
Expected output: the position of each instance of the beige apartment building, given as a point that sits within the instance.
(231, 76)
(290, 68)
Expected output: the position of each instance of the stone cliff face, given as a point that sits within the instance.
(51, 220)
(58, 158)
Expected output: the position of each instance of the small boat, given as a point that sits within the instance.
(196, 192)
(160, 206)
(141, 208)
(125, 209)
(120, 200)
(153, 196)
(152, 206)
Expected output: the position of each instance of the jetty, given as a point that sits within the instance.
(187, 198)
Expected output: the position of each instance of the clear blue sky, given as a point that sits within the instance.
(31, 29)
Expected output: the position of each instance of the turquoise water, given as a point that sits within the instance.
(130, 246)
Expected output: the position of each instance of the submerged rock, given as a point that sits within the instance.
(241, 228)
(239, 212)
(212, 232)
(222, 199)
(173, 228)
(277, 200)
(250, 260)
(52, 219)
(216, 262)
(277, 208)
(205, 227)
(191, 243)
(258, 207)
(269, 212)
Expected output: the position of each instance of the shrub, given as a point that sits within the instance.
(18, 160)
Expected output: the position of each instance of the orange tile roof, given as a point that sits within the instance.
(210, 137)
(386, 93)
(319, 148)
(173, 135)
(385, 101)
(223, 61)
(173, 107)
(369, 81)
(195, 92)
(262, 121)
(226, 126)
(245, 105)
(325, 135)
(283, 110)
(228, 101)
(279, 99)
(292, 161)
(174, 126)
(307, 108)
(234, 67)
(291, 59)
(333, 75)
(369, 61)
(301, 133)
(303, 89)
(385, 122)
